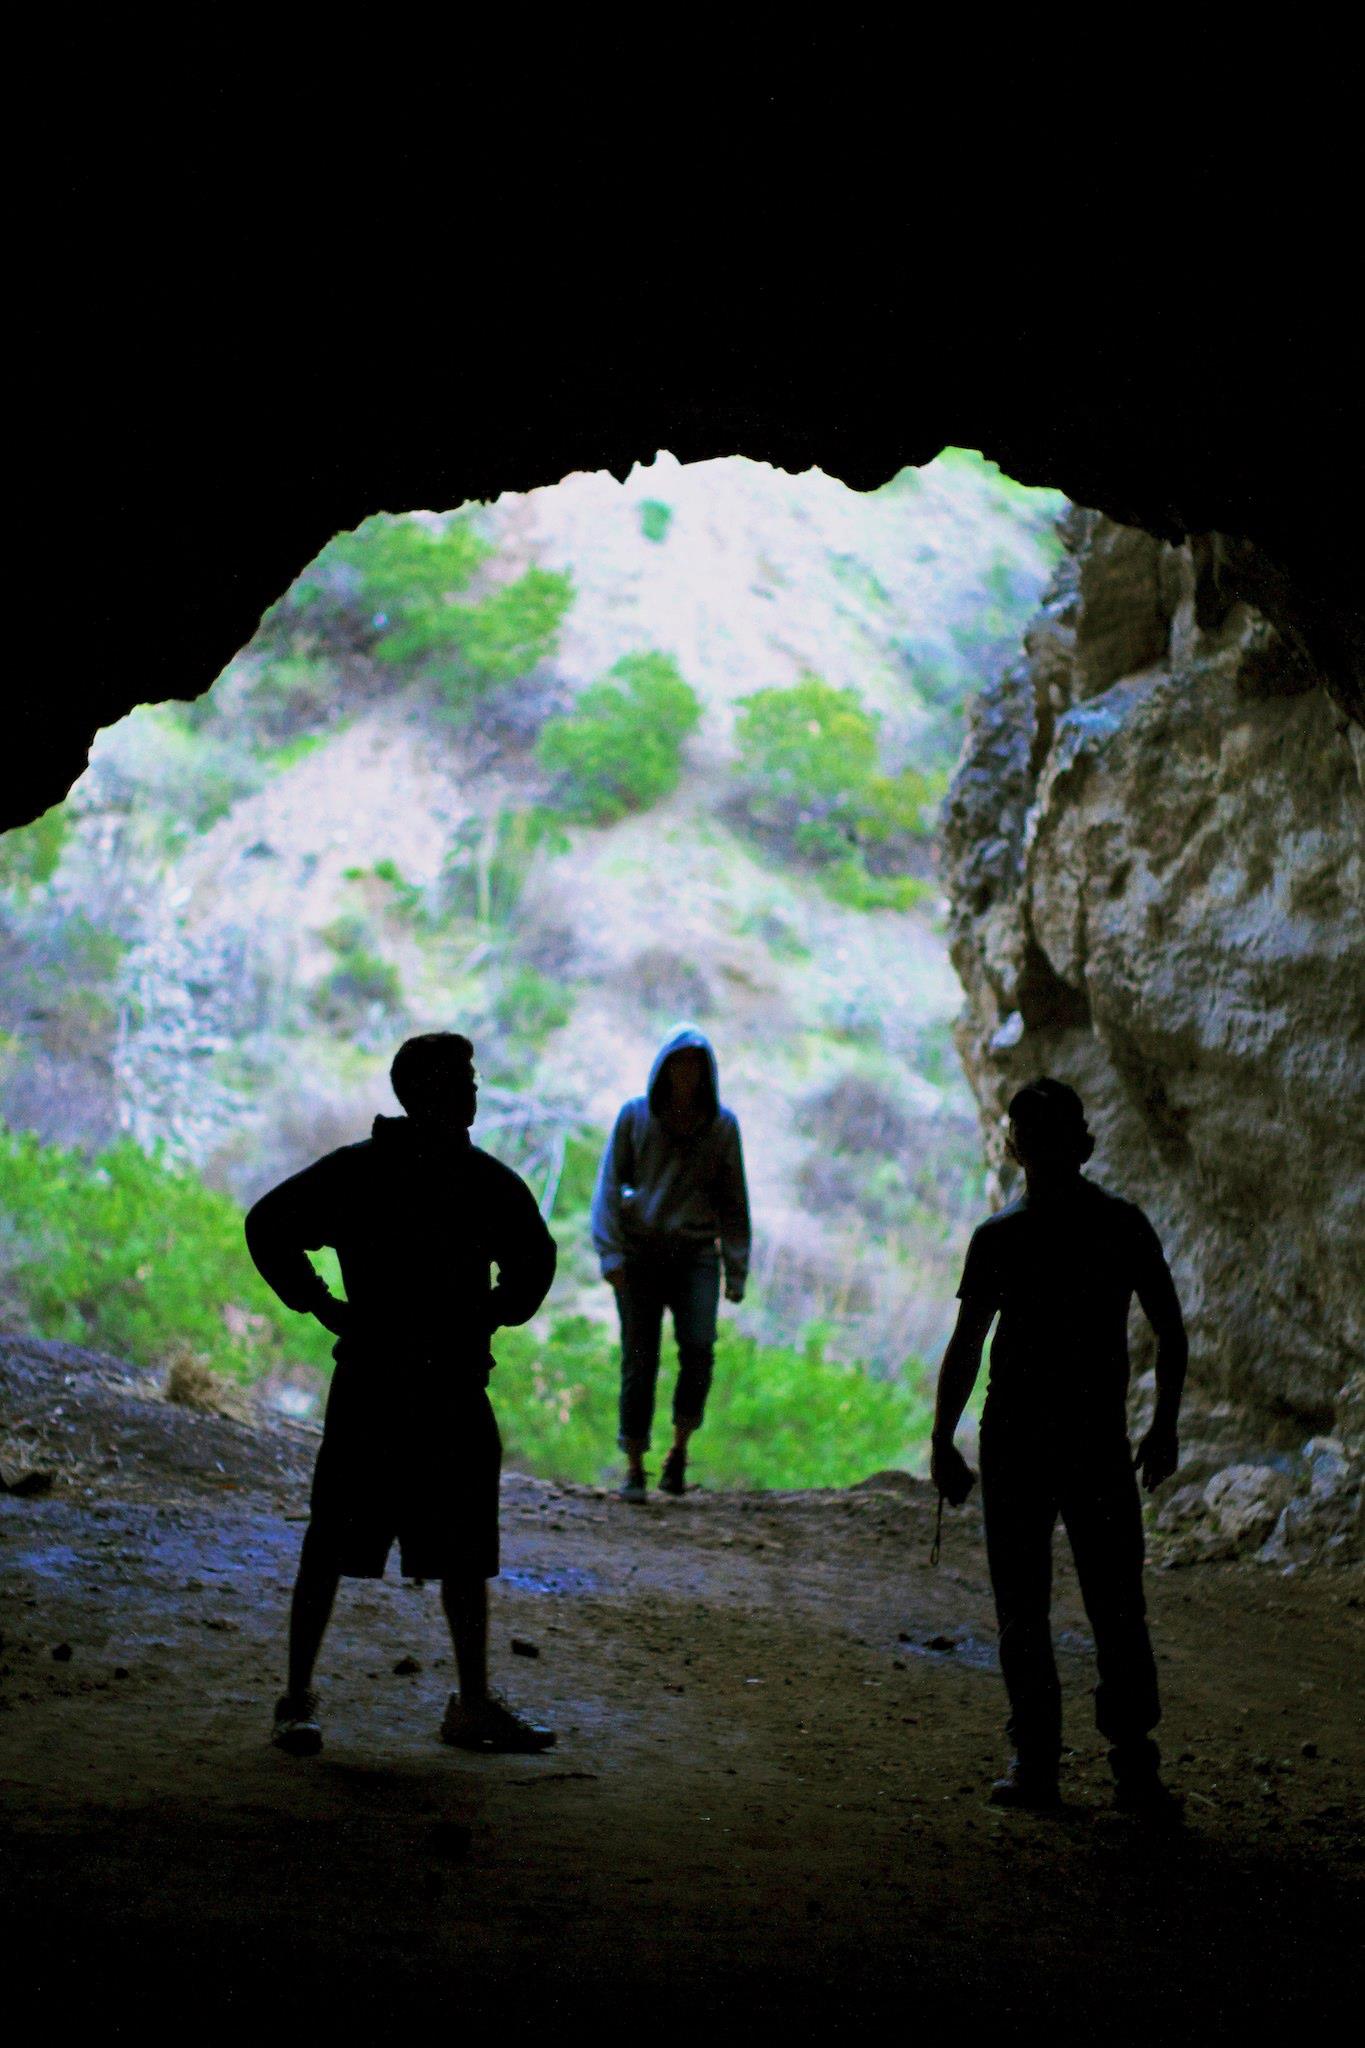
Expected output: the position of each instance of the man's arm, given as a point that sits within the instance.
(615, 1172)
(525, 1255)
(283, 1227)
(949, 1470)
(736, 1235)
(1159, 1452)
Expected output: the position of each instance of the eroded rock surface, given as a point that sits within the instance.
(1153, 848)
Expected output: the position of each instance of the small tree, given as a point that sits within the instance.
(620, 749)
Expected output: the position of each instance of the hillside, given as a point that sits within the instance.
(214, 946)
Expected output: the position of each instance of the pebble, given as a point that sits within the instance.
(405, 1667)
(61, 1653)
(1308, 1749)
(522, 1648)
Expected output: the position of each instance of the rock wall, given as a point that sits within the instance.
(1153, 852)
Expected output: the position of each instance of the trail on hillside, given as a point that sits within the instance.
(776, 1727)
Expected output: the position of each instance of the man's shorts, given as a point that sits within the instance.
(422, 1473)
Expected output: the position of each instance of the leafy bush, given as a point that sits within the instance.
(360, 982)
(30, 854)
(810, 781)
(389, 590)
(127, 1255)
(655, 519)
(529, 1006)
(778, 1416)
(620, 749)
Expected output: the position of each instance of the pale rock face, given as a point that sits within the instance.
(1153, 850)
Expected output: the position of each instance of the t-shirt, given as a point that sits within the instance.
(1062, 1271)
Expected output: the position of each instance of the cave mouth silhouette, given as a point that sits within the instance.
(338, 825)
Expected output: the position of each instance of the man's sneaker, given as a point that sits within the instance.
(296, 1729)
(492, 1727)
(673, 1478)
(634, 1491)
(1027, 1788)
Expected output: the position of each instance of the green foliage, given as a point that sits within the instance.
(808, 765)
(390, 589)
(405, 896)
(655, 519)
(30, 854)
(529, 1006)
(620, 749)
(582, 1155)
(849, 883)
(127, 1255)
(490, 858)
(359, 982)
(289, 698)
(778, 1416)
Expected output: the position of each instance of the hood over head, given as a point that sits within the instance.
(686, 1038)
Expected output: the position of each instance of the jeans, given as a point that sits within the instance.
(1027, 1480)
(687, 1281)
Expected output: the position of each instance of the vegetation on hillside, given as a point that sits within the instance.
(148, 982)
(811, 785)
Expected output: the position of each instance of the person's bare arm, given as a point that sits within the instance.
(949, 1470)
(1159, 1452)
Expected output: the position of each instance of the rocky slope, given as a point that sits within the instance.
(1153, 852)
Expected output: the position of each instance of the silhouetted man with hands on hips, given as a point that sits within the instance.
(1059, 1266)
(418, 1216)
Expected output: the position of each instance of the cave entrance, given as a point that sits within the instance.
(559, 771)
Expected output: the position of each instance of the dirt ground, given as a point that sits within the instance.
(777, 1724)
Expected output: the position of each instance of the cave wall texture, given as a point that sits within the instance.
(1153, 848)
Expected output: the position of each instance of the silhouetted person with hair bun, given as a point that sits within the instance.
(1059, 1266)
(410, 1450)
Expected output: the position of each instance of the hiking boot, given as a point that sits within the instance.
(296, 1729)
(633, 1490)
(1028, 1788)
(492, 1727)
(673, 1478)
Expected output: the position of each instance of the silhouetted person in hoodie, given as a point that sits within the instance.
(410, 1450)
(1060, 1265)
(669, 1211)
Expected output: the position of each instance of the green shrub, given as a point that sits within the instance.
(778, 1416)
(655, 519)
(529, 1006)
(807, 760)
(620, 749)
(30, 854)
(390, 588)
(127, 1255)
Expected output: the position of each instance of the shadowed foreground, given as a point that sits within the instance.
(766, 1804)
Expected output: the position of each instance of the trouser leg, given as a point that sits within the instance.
(695, 1300)
(1020, 1510)
(640, 1304)
(310, 1610)
(1102, 1512)
(465, 1599)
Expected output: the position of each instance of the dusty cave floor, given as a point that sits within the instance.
(767, 1803)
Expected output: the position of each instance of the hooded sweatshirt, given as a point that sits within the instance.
(659, 1189)
(417, 1219)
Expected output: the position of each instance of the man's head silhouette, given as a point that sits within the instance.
(433, 1078)
(1049, 1136)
